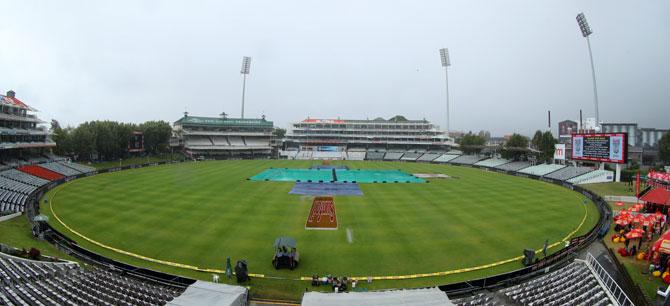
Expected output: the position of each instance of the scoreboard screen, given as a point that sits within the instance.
(602, 147)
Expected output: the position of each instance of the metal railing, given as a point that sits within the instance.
(608, 282)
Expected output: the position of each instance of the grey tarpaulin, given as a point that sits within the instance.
(428, 296)
(206, 293)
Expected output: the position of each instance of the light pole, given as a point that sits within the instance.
(586, 32)
(246, 65)
(444, 56)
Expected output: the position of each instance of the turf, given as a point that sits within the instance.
(17, 233)
(202, 212)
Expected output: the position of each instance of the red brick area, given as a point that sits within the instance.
(41, 172)
(322, 215)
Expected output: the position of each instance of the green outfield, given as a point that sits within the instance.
(199, 213)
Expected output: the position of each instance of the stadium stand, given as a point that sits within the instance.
(289, 154)
(428, 157)
(513, 166)
(52, 157)
(257, 142)
(411, 156)
(393, 155)
(574, 284)
(568, 173)
(542, 169)
(199, 141)
(374, 155)
(596, 176)
(79, 167)
(37, 160)
(236, 141)
(356, 155)
(327, 155)
(28, 282)
(465, 159)
(56, 167)
(23, 177)
(41, 172)
(304, 155)
(444, 158)
(491, 162)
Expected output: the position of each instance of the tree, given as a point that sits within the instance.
(537, 140)
(514, 147)
(664, 148)
(471, 143)
(156, 136)
(547, 146)
(279, 133)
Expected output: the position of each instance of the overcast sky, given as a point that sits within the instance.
(511, 60)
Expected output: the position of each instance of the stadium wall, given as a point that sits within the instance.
(547, 264)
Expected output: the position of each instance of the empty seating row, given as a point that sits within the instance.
(289, 154)
(513, 166)
(393, 155)
(411, 156)
(14, 186)
(593, 177)
(373, 155)
(574, 284)
(198, 141)
(541, 169)
(23, 177)
(465, 159)
(58, 168)
(41, 172)
(328, 155)
(492, 162)
(428, 157)
(356, 155)
(303, 155)
(27, 282)
(444, 158)
(79, 167)
(568, 173)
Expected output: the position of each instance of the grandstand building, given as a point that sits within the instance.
(222, 137)
(336, 135)
(20, 133)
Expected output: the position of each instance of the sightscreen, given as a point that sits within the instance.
(601, 147)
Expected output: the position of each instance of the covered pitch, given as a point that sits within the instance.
(336, 175)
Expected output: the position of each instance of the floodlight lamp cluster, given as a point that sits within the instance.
(584, 25)
(444, 56)
(246, 65)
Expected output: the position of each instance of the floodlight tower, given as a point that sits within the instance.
(246, 65)
(444, 56)
(586, 32)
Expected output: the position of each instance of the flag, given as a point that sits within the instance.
(637, 184)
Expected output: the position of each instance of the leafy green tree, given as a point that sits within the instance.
(537, 140)
(547, 146)
(664, 148)
(279, 133)
(515, 146)
(472, 143)
(156, 136)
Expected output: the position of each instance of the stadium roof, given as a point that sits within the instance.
(14, 102)
(396, 119)
(428, 296)
(206, 293)
(224, 122)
